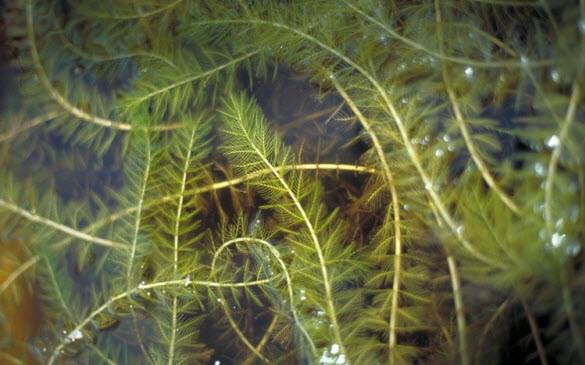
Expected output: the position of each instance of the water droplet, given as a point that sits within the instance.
(469, 72)
(219, 300)
(447, 138)
(33, 211)
(553, 141)
(460, 230)
(331, 76)
(404, 100)
(217, 362)
(524, 60)
(439, 152)
(428, 186)
(406, 207)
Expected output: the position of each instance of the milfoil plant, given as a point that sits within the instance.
(429, 208)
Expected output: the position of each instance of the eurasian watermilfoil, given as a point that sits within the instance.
(428, 207)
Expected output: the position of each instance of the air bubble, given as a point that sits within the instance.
(404, 100)
(524, 60)
(555, 76)
(540, 169)
(141, 285)
(553, 141)
(581, 26)
(538, 208)
(383, 39)
(574, 214)
(557, 239)
(469, 72)
(573, 249)
(76, 334)
(187, 280)
(303, 296)
(439, 152)
(460, 230)
(334, 349)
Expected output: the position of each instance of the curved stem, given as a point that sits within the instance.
(287, 278)
(392, 338)
(459, 311)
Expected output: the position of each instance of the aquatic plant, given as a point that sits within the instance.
(354, 182)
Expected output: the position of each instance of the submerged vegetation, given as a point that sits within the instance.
(295, 182)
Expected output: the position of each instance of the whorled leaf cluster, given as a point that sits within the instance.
(294, 182)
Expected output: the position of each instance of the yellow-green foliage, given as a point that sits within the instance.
(430, 208)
